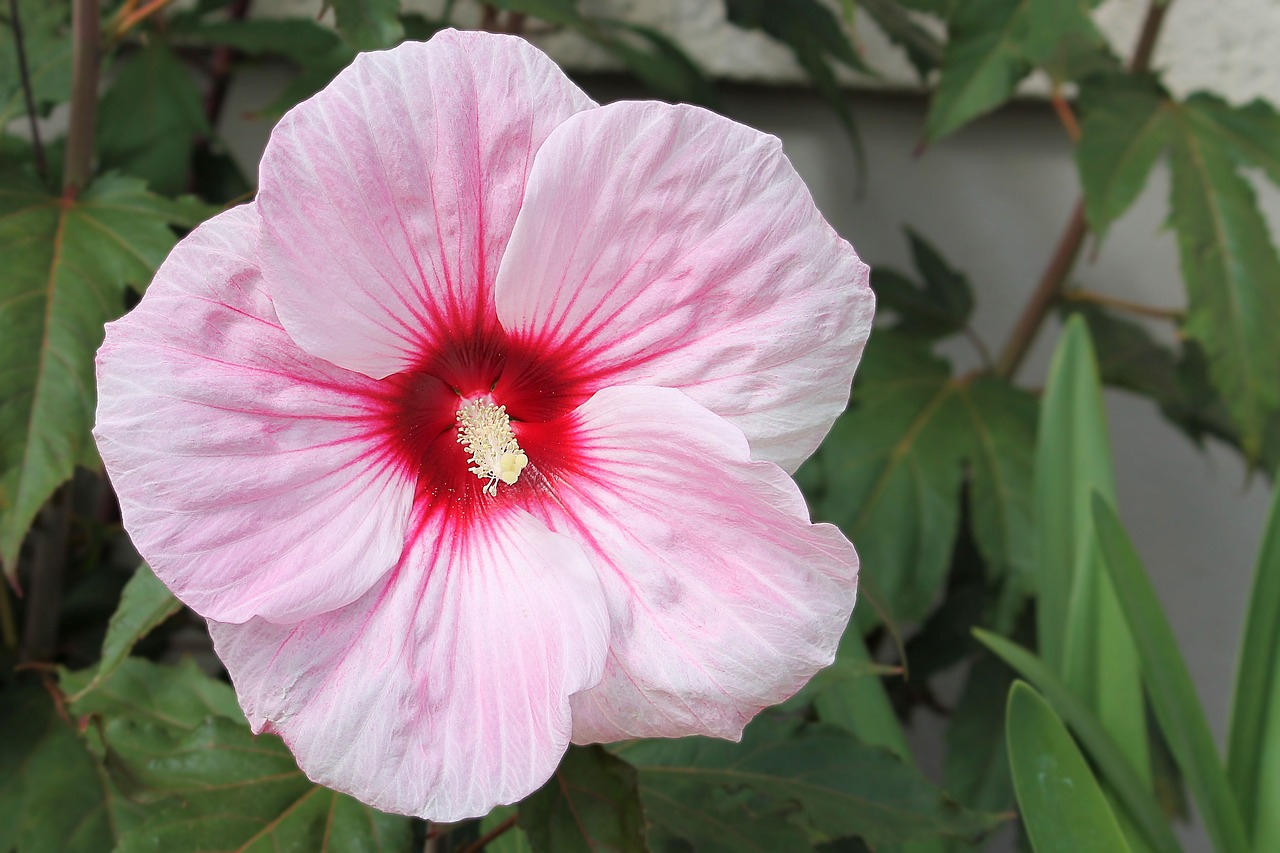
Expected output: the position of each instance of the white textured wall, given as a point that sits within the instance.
(1230, 46)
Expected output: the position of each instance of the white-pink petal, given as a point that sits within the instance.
(245, 468)
(723, 597)
(445, 690)
(675, 247)
(389, 197)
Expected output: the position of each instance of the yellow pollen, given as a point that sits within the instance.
(485, 431)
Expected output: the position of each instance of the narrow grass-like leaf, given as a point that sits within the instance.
(1173, 696)
(1130, 789)
(1081, 631)
(1253, 745)
(1063, 809)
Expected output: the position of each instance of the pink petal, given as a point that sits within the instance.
(390, 196)
(673, 247)
(248, 474)
(444, 691)
(723, 597)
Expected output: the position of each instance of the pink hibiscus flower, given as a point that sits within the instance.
(470, 436)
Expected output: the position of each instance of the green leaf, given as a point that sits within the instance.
(923, 49)
(858, 703)
(368, 24)
(299, 39)
(1130, 789)
(54, 797)
(993, 44)
(1173, 696)
(66, 265)
(144, 604)
(591, 803)
(1252, 131)
(977, 765)
(816, 39)
(821, 777)
(149, 119)
(939, 307)
(1081, 631)
(894, 466)
(1253, 744)
(47, 42)
(1063, 809)
(656, 61)
(175, 739)
(1124, 128)
(1232, 274)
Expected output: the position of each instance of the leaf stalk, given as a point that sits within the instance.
(86, 46)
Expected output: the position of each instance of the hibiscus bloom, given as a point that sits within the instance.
(470, 436)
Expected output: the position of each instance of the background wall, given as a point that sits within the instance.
(994, 199)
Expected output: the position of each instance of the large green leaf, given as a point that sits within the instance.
(1253, 745)
(895, 463)
(368, 24)
(66, 265)
(1131, 790)
(1173, 696)
(937, 307)
(1081, 631)
(993, 44)
(922, 47)
(817, 777)
(299, 39)
(47, 43)
(1124, 128)
(591, 803)
(54, 797)
(1063, 809)
(1229, 262)
(1232, 274)
(175, 740)
(149, 119)
(977, 764)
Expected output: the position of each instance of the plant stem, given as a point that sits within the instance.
(42, 166)
(1123, 305)
(44, 602)
(1049, 288)
(8, 627)
(479, 843)
(85, 48)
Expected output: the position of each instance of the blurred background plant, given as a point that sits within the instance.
(985, 511)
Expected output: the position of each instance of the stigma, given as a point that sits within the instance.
(485, 431)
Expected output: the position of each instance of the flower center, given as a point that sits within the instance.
(485, 431)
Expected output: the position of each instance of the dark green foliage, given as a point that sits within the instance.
(591, 803)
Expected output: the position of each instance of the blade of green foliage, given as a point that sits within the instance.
(1063, 809)
(1173, 696)
(368, 24)
(144, 604)
(1253, 744)
(1232, 274)
(45, 35)
(923, 48)
(938, 307)
(1251, 131)
(993, 44)
(894, 466)
(54, 798)
(150, 118)
(819, 776)
(176, 742)
(816, 39)
(1124, 128)
(299, 39)
(66, 265)
(1081, 631)
(1130, 789)
(657, 61)
(857, 702)
(591, 803)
